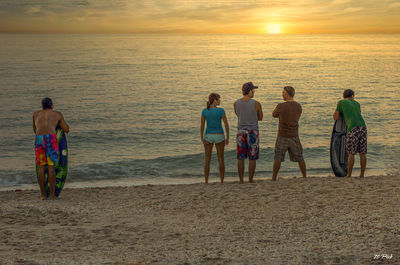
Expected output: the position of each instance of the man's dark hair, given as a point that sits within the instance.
(289, 90)
(348, 93)
(246, 92)
(47, 103)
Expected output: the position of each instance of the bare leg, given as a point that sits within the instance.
(302, 166)
(52, 181)
(220, 153)
(363, 162)
(252, 169)
(207, 159)
(241, 170)
(350, 164)
(277, 166)
(42, 182)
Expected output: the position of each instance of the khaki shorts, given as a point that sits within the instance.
(292, 145)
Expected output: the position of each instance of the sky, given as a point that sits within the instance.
(200, 16)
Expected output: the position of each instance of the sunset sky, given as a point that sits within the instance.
(200, 16)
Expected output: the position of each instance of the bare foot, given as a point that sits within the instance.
(43, 197)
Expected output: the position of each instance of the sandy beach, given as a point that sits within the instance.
(291, 221)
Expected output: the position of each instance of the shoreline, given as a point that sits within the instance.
(291, 221)
(214, 178)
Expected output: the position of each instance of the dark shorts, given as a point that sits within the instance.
(247, 144)
(293, 145)
(356, 141)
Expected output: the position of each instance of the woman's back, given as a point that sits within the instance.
(213, 117)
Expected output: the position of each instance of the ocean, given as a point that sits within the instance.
(134, 102)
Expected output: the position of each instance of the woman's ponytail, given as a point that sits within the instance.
(208, 104)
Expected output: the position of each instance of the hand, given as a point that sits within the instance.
(204, 141)
(226, 141)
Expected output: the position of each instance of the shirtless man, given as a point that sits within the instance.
(45, 122)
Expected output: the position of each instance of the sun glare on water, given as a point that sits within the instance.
(274, 29)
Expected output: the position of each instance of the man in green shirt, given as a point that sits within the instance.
(356, 138)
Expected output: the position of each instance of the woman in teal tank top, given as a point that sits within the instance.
(214, 134)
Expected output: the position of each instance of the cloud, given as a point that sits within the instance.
(187, 15)
(394, 5)
(351, 10)
(339, 2)
(33, 10)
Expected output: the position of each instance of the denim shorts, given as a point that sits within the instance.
(214, 138)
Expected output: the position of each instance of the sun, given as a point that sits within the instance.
(274, 28)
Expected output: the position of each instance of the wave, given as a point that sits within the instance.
(179, 166)
(271, 59)
(191, 166)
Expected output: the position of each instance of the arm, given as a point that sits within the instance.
(63, 124)
(202, 123)
(336, 115)
(275, 113)
(234, 107)
(259, 111)
(225, 120)
(34, 125)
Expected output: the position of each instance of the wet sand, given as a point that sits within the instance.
(291, 221)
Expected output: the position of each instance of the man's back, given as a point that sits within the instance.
(351, 111)
(289, 113)
(46, 121)
(247, 114)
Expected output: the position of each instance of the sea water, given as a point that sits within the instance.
(134, 102)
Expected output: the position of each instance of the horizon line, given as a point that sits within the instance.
(194, 33)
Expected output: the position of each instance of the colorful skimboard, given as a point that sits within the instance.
(338, 148)
(61, 167)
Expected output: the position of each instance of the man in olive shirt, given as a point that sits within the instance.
(289, 113)
(356, 138)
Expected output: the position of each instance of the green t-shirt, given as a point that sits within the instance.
(351, 111)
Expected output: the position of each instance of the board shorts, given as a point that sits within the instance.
(46, 149)
(247, 144)
(214, 138)
(356, 140)
(290, 144)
